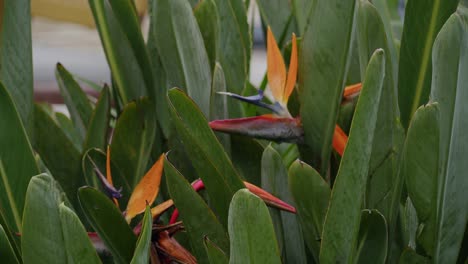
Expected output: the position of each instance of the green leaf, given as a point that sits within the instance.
(246, 155)
(251, 230)
(340, 231)
(75, 98)
(16, 69)
(17, 163)
(322, 74)
(114, 22)
(383, 182)
(218, 104)
(161, 86)
(373, 238)
(42, 240)
(234, 48)
(277, 14)
(450, 90)
(109, 223)
(409, 256)
(288, 231)
(190, 204)
(215, 254)
(302, 9)
(98, 157)
(133, 138)
(312, 195)
(7, 253)
(13, 240)
(206, 153)
(142, 251)
(79, 248)
(69, 129)
(420, 169)
(207, 17)
(96, 136)
(58, 153)
(423, 20)
(187, 66)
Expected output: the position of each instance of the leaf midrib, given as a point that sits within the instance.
(426, 56)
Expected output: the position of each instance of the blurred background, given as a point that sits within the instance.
(63, 31)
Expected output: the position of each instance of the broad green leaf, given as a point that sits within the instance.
(75, 98)
(109, 223)
(246, 155)
(423, 20)
(7, 253)
(302, 10)
(129, 22)
(450, 90)
(119, 45)
(215, 254)
(17, 163)
(373, 238)
(420, 169)
(312, 195)
(278, 15)
(322, 74)
(16, 69)
(234, 48)
(79, 248)
(68, 128)
(133, 139)
(341, 227)
(409, 256)
(58, 153)
(190, 204)
(207, 17)
(42, 240)
(187, 66)
(383, 179)
(98, 157)
(158, 94)
(96, 136)
(288, 231)
(251, 231)
(206, 153)
(218, 104)
(142, 250)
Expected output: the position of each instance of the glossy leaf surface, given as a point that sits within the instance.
(17, 164)
(42, 240)
(187, 66)
(322, 71)
(423, 21)
(16, 69)
(312, 195)
(206, 153)
(251, 231)
(109, 223)
(78, 246)
(133, 138)
(190, 204)
(142, 250)
(341, 227)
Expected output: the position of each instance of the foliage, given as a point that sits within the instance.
(344, 180)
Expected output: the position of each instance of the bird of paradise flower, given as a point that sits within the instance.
(279, 126)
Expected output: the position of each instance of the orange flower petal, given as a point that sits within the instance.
(109, 174)
(339, 140)
(276, 68)
(292, 73)
(146, 190)
(161, 208)
(352, 89)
